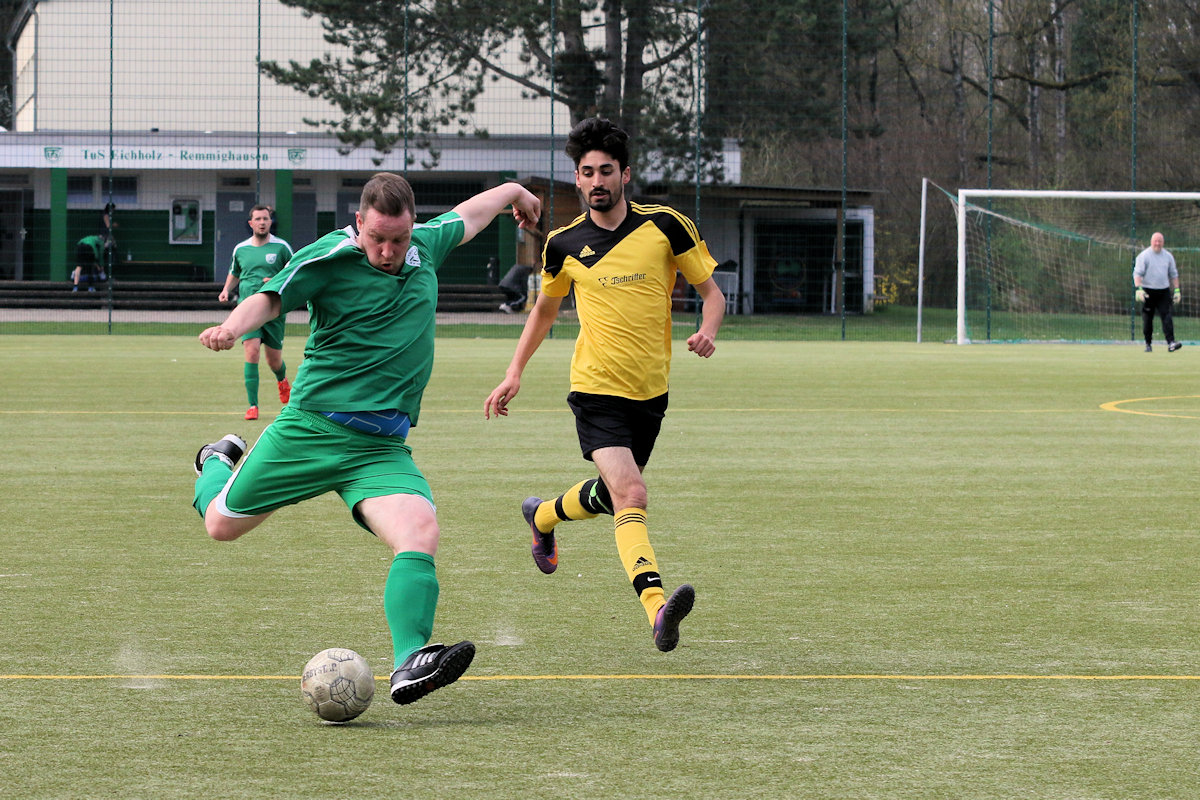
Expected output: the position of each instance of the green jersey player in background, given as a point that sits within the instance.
(256, 261)
(89, 262)
(371, 290)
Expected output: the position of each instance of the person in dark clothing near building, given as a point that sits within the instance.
(515, 285)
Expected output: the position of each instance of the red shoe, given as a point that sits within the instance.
(252, 412)
(285, 391)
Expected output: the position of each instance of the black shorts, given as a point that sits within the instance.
(85, 256)
(606, 421)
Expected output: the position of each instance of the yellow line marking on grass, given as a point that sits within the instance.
(127, 412)
(637, 677)
(866, 677)
(266, 415)
(148, 677)
(811, 410)
(1115, 405)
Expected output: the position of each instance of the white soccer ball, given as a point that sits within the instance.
(337, 684)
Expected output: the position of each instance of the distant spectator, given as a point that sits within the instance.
(89, 262)
(106, 224)
(1156, 280)
(515, 285)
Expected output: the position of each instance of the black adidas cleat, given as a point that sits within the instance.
(666, 624)
(430, 668)
(229, 449)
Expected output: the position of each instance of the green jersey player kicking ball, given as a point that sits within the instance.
(371, 290)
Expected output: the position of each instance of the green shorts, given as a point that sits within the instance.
(302, 455)
(271, 333)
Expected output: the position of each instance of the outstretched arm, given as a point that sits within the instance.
(712, 312)
(250, 314)
(544, 312)
(230, 283)
(479, 211)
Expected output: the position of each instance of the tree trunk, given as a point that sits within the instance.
(1060, 97)
(613, 58)
(574, 51)
(957, 41)
(634, 101)
(1035, 116)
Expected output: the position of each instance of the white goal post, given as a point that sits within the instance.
(1108, 238)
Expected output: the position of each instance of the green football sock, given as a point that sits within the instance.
(409, 599)
(214, 474)
(281, 373)
(250, 374)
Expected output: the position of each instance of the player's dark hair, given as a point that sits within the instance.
(261, 207)
(389, 194)
(597, 133)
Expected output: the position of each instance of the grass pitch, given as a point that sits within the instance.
(922, 571)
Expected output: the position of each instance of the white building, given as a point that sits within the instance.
(163, 100)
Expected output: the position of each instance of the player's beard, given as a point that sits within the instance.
(606, 202)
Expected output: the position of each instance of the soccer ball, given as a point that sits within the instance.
(337, 684)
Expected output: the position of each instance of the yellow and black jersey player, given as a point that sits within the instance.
(623, 280)
(621, 258)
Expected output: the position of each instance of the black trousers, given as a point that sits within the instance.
(1158, 300)
(514, 298)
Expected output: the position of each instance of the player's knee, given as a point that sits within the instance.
(423, 540)
(420, 535)
(405, 523)
(221, 528)
(220, 534)
(634, 496)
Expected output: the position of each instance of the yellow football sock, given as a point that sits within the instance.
(565, 508)
(572, 506)
(633, 545)
(544, 518)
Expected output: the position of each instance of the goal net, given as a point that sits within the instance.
(1058, 265)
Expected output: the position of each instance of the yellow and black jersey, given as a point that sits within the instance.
(623, 281)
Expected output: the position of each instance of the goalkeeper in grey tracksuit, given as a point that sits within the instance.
(1156, 280)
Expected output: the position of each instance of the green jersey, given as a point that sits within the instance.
(96, 243)
(370, 345)
(253, 265)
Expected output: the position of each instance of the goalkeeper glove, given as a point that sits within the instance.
(1175, 299)
(1140, 294)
